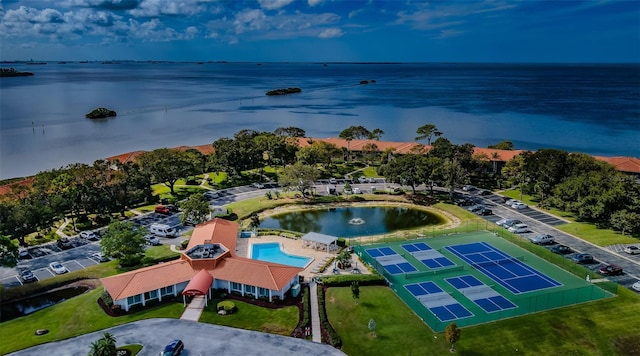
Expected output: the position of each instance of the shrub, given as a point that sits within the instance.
(226, 305)
(334, 338)
(346, 280)
(184, 244)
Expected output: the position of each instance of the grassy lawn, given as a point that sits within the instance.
(370, 172)
(76, 316)
(245, 207)
(587, 231)
(250, 317)
(587, 329)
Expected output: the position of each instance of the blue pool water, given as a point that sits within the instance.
(271, 252)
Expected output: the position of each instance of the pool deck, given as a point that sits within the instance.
(295, 247)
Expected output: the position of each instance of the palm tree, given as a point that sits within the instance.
(427, 131)
(106, 346)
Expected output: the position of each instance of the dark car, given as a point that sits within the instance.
(475, 208)
(484, 211)
(484, 192)
(27, 276)
(464, 202)
(173, 348)
(64, 243)
(583, 258)
(561, 249)
(172, 208)
(611, 270)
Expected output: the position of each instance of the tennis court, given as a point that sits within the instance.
(474, 278)
(509, 271)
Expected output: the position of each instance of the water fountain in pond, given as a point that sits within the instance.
(356, 221)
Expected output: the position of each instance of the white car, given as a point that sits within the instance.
(23, 252)
(333, 181)
(58, 268)
(362, 179)
(512, 201)
(89, 235)
(357, 191)
(519, 228)
(258, 185)
(100, 257)
(519, 206)
(632, 250)
(636, 286)
(372, 180)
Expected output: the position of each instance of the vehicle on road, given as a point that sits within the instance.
(371, 180)
(58, 268)
(98, 256)
(23, 252)
(484, 211)
(510, 222)
(484, 192)
(468, 188)
(172, 208)
(333, 180)
(561, 249)
(519, 206)
(357, 191)
(258, 185)
(174, 348)
(331, 189)
(632, 250)
(162, 230)
(542, 239)
(475, 208)
(363, 179)
(464, 202)
(64, 243)
(583, 258)
(611, 270)
(636, 286)
(347, 191)
(519, 228)
(26, 276)
(89, 235)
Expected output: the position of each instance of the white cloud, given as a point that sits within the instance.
(157, 8)
(313, 3)
(331, 33)
(274, 4)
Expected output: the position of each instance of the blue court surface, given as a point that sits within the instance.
(481, 294)
(428, 256)
(509, 272)
(390, 260)
(419, 246)
(440, 303)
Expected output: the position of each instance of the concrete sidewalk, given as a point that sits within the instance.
(316, 332)
(194, 309)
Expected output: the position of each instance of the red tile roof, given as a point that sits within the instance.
(199, 284)
(147, 279)
(623, 164)
(230, 268)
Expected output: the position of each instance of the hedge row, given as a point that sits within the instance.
(347, 279)
(306, 307)
(334, 338)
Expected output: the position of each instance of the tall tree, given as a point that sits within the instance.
(105, 346)
(427, 131)
(503, 145)
(124, 242)
(196, 208)
(348, 135)
(453, 174)
(404, 170)
(376, 134)
(167, 165)
(290, 131)
(8, 252)
(299, 177)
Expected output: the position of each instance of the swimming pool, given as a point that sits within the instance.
(272, 252)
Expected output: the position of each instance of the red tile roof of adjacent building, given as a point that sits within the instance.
(230, 268)
(147, 279)
(495, 154)
(623, 164)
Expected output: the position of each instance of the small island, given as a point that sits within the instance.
(100, 113)
(284, 91)
(12, 72)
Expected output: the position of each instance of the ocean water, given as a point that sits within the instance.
(581, 107)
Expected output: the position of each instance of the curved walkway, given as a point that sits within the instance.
(199, 339)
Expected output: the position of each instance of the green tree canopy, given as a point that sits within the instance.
(195, 207)
(167, 165)
(427, 131)
(299, 177)
(125, 242)
(8, 252)
(503, 145)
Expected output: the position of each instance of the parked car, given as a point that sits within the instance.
(152, 240)
(511, 201)
(632, 250)
(583, 258)
(519, 206)
(611, 270)
(542, 239)
(363, 179)
(258, 185)
(371, 180)
(58, 268)
(26, 276)
(347, 191)
(519, 228)
(464, 202)
(468, 188)
(212, 194)
(475, 208)
(23, 252)
(98, 256)
(64, 243)
(510, 222)
(357, 191)
(174, 348)
(561, 249)
(333, 180)
(484, 192)
(484, 211)
(502, 200)
(172, 208)
(161, 209)
(89, 235)
(636, 286)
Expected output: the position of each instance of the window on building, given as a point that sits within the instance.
(250, 289)
(151, 295)
(236, 286)
(136, 299)
(166, 290)
(263, 292)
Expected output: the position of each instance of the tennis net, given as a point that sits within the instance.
(412, 275)
(503, 261)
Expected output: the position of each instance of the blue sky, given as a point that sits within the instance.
(322, 30)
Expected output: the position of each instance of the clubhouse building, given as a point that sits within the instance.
(209, 262)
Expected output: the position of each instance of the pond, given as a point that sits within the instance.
(30, 305)
(353, 221)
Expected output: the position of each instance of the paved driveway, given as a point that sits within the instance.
(199, 339)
